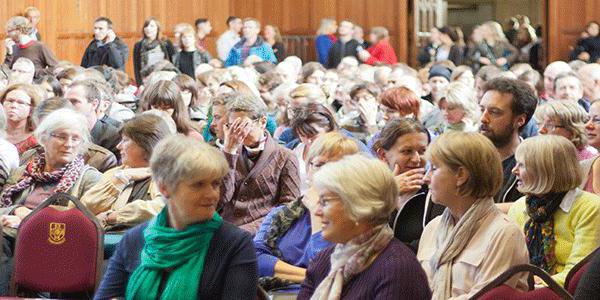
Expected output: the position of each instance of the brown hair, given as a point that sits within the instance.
(402, 100)
(33, 94)
(309, 115)
(159, 36)
(165, 93)
(187, 83)
(146, 131)
(396, 128)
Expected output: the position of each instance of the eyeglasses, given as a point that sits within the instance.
(550, 127)
(63, 138)
(324, 201)
(16, 102)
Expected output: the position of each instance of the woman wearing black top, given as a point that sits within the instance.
(273, 37)
(152, 48)
(402, 144)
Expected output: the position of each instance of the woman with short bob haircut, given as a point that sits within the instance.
(459, 108)
(187, 251)
(561, 222)
(472, 242)
(356, 196)
(567, 119)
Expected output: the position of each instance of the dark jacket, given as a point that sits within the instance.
(229, 266)
(167, 48)
(508, 192)
(106, 135)
(341, 50)
(279, 50)
(409, 222)
(394, 274)
(113, 54)
(199, 57)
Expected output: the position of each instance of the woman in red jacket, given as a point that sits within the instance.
(381, 52)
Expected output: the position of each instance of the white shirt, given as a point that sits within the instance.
(9, 153)
(225, 42)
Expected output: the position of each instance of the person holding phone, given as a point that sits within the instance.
(106, 48)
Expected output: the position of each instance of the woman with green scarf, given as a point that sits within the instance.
(187, 251)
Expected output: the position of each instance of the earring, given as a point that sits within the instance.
(356, 224)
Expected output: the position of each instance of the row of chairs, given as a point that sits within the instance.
(61, 252)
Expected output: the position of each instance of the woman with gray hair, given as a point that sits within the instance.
(567, 119)
(59, 168)
(356, 196)
(187, 251)
(472, 242)
(263, 174)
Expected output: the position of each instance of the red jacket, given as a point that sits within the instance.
(382, 52)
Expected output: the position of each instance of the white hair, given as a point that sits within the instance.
(557, 67)
(201, 68)
(165, 116)
(365, 185)
(27, 62)
(591, 71)
(157, 76)
(463, 96)
(295, 61)
(61, 119)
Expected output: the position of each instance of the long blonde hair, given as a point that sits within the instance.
(326, 26)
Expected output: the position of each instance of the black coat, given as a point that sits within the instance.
(339, 51)
(113, 54)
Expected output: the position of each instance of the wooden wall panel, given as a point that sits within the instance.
(66, 25)
(565, 21)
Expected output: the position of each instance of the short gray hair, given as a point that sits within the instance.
(178, 157)
(365, 185)
(61, 119)
(254, 106)
(25, 61)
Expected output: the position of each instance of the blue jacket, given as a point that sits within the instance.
(260, 48)
(323, 44)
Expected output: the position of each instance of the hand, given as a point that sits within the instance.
(9, 43)
(10, 221)
(368, 112)
(234, 134)
(110, 36)
(364, 55)
(21, 212)
(485, 60)
(584, 56)
(409, 181)
(501, 61)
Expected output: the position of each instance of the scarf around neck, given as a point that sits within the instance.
(180, 252)
(539, 229)
(350, 259)
(66, 177)
(451, 241)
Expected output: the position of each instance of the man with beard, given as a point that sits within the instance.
(507, 105)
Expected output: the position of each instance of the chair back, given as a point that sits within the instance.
(58, 251)
(577, 272)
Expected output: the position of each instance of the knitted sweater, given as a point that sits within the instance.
(249, 193)
(576, 228)
(394, 274)
(260, 48)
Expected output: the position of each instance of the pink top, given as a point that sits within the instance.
(587, 152)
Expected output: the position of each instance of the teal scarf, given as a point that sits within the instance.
(181, 252)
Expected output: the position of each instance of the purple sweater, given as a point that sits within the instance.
(395, 274)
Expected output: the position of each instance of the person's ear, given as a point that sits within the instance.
(163, 189)
(381, 155)
(462, 176)
(521, 119)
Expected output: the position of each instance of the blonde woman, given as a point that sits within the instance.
(189, 57)
(459, 108)
(561, 222)
(325, 39)
(273, 37)
(495, 48)
(472, 242)
(567, 119)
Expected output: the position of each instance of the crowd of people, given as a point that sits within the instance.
(353, 176)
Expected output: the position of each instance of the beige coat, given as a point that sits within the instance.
(497, 245)
(105, 196)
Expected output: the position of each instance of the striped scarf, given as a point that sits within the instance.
(34, 174)
(539, 230)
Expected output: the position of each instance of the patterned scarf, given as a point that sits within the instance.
(34, 174)
(539, 230)
(350, 259)
(451, 241)
(148, 45)
(280, 224)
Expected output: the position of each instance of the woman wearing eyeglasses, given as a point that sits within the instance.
(290, 236)
(591, 167)
(58, 168)
(356, 196)
(566, 119)
(19, 101)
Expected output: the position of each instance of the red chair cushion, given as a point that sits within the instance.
(56, 251)
(576, 277)
(505, 292)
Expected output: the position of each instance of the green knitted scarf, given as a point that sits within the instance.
(181, 253)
